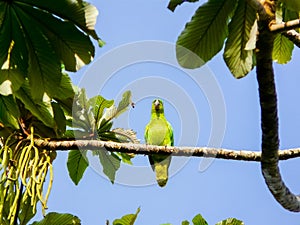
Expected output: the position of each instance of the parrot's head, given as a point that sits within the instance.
(157, 106)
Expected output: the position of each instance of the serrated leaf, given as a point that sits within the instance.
(82, 14)
(72, 46)
(77, 164)
(237, 58)
(9, 111)
(230, 221)
(59, 219)
(44, 68)
(127, 219)
(282, 49)
(123, 135)
(203, 37)
(174, 3)
(110, 163)
(36, 37)
(199, 220)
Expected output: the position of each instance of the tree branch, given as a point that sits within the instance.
(142, 149)
(293, 36)
(285, 26)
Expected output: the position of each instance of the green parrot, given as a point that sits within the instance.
(159, 132)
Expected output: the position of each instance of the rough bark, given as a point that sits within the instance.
(269, 118)
(142, 149)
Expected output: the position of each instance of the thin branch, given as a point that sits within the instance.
(142, 149)
(285, 26)
(293, 36)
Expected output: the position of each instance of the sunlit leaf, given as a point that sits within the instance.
(127, 219)
(238, 59)
(77, 164)
(99, 104)
(230, 221)
(203, 37)
(65, 89)
(10, 81)
(113, 112)
(110, 163)
(199, 220)
(26, 212)
(282, 49)
(58, 219)
(73, 47)
(81, 13)
(41, 109)
(9, 111)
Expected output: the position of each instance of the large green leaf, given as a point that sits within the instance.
(113, 112)
(282, 49)
(10, 81)
(174, 3)
(41, 109)
(37, 36)
(238, 59)
(65, 90)
(58, 219)
(73, 47)
(44, 69)
(230, 221)
(9, 111)
(83, 116)
(80, 13)
(204, 35)
(99, 104)
(26, 211)
(110, 163)
(127, 219)
(77, 164)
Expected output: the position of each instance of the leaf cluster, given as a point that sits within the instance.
(130, 219)
(94, 119)
(229, 25)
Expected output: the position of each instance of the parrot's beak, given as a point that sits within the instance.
(156, 104)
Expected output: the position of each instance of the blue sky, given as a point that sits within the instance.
(221, 190)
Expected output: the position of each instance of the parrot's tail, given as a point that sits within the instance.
(161, 171)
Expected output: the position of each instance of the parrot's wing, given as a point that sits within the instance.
(171, 133)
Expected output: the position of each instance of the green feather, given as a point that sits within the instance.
(159, 132)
